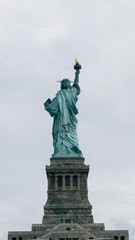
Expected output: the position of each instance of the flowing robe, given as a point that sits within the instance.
(63, 109)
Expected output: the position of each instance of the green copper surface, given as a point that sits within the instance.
(63, 109)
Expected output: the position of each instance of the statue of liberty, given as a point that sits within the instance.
(63, 109)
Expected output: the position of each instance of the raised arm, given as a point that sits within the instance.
(77, 67)
(76, 80)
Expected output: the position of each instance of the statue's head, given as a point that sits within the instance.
(65, 84)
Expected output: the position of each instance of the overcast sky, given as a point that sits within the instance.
(39, 40)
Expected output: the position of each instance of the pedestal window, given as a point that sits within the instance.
(59, 181)
(75, 181)
(67, 220)
(67, 181)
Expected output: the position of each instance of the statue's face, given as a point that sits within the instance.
(65, 84)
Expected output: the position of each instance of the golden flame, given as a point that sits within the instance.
(76, 61)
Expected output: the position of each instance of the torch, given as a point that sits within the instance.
(77, 65)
